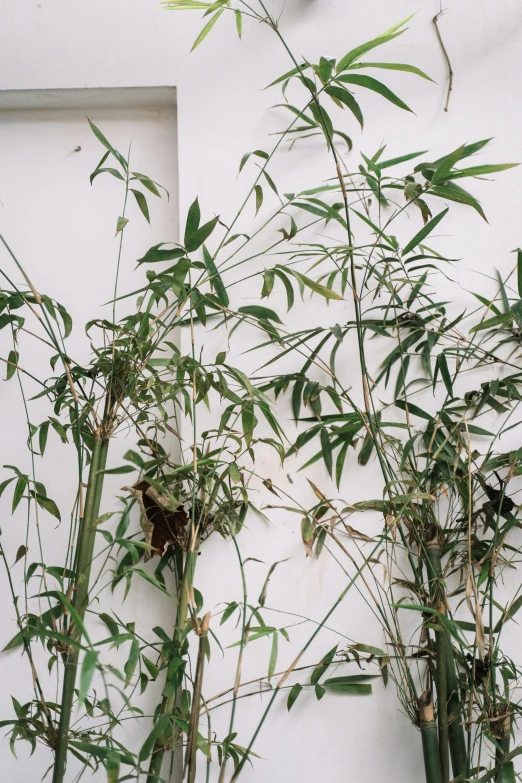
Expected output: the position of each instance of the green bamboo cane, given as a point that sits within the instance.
(84, 554)
(430, 742)
(506, 773)
(433, 557)
(457, 740)
(192, 744)
(168, 702)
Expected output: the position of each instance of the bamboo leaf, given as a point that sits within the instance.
(193, 219)
(132, 661)
(497, 320)
(442, 364)
(159, 728)
(424, 232)
(208, 27)
(369, 83)
(359, 51)
(393, 67)
(273, 654)
(90, 661)
(411, 408)
(509, 613)
(295, 690)
(477, 171)
(199, 236)
(142, 203)
(260, 312)
(215, 278)
(346, 98)
(259, 197)
(326, 448)
(323, 665)
(239, 22)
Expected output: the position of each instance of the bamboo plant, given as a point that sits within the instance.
(449, 517)
(439, 482)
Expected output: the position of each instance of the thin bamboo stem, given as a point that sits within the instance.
(192, 745)
(84, 554)
(434, 567)
(169, 700)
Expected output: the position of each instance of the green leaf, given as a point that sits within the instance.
(258, 311)
(394, 67)
(477, 171)
(142, 203)
(118, 471)
(239, 22)
(414, 409)
(156, 254)
(351, 685)
(339, 463)
(101, 138)
(357, 53)
(508, 614)
(295, 690)
(90, 661)
(346, 98)
(424, 232)
(259, 153)
(208, 27)
(453, 192)
(120, 224)
(259, 197)
(112, 766)
(322, 117)
(196, 239)
(289, 74)
(148, 183)
(385, 164)
(12, 362)
(193, 218)
(159, 728)
(21, 552)
(442, 364)
(101, 751)
(113, 172)
(369, 83)
(132, 661)
(273, 654)
(445, 165)
(215, 278)
(489, 323)
(317, 287)
(323, 665)
(19, 490)
(231, 608)
(326, 448)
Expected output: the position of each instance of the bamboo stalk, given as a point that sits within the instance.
(192, 745)
(457, 740)
(434, 567)
(442, 702)
(430, 743)
(168, 702)
(84, 553)
(506, 774)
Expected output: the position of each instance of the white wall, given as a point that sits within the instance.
(222, 113)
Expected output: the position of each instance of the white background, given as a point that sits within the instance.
(222, 112)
